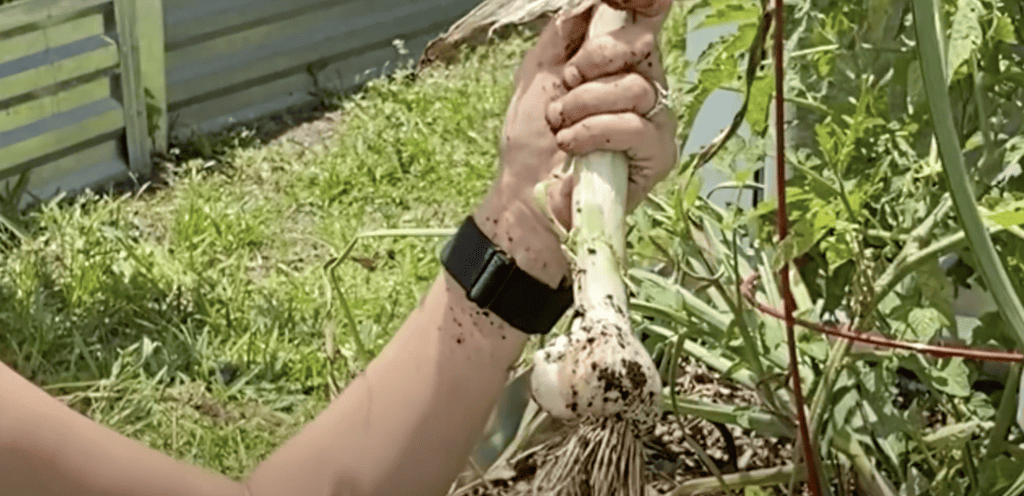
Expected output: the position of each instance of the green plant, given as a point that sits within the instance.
(871, 198)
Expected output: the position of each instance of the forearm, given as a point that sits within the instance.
(48, 449)
(408, 424)
(405, 426)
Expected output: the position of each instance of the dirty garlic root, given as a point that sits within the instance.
(598, 376)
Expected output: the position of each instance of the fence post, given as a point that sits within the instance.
(150, 22)
(132, 88)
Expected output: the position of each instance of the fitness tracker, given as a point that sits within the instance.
(494, 282)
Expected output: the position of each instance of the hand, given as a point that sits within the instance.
(577, 96)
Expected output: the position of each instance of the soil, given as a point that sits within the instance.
(304, 126)
(670, 459)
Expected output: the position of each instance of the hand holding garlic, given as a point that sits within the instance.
(574, 96)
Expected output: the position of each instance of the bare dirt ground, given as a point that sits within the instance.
(305, 127)
(670, 458)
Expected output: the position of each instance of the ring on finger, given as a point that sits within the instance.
(662, 100)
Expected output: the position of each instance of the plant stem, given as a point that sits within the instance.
(599, 231)
(929, 51)
(760, 477)
(1005, 413)
(762, 422)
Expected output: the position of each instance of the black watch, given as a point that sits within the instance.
(494, 282)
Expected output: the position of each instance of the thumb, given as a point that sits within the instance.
(564, 35)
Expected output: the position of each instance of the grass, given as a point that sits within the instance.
(198, 317)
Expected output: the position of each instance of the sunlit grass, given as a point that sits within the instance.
(196, 317)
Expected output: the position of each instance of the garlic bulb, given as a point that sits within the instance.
(599, 369)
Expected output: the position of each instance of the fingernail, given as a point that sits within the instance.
(572, 76)
(555, 114)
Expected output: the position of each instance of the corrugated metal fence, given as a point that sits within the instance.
(82, 82)
(237, 59)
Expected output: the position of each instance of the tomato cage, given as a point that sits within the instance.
(874, 339)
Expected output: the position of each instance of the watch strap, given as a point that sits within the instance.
(493, 281)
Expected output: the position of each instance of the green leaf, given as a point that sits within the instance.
(828, 141)
(813, 345)
(800, 239)
(1008, 218)
(1002, 29)
(824, 219)
(993, 331)
(1012, 161)
(925, 323)
(917, 484)
(761, 92)
(730, 13)
(845, 401)
(825, 63)
(980, 405)
(915, 88)
(997, 474)
(838, 248)
(935, 288)
(951, 437)
(965, 35)
(951, 377)
(817, 184)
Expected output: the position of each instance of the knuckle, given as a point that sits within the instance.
(640, 91)
(646, 44)
(565, 139)
(604, 50)
(634, 125)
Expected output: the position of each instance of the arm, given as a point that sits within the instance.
(408, 424)
(405, 426)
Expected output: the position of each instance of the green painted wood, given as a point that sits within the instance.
(134, 97)
(234, 61)
(88, 167)
(14, 155)
(42, 13)
(17, 46)
(34, 110)
(40, 77)
(152, 58)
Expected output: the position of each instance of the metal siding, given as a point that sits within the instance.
(226, 61)
(235, 60)
(60, 120)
